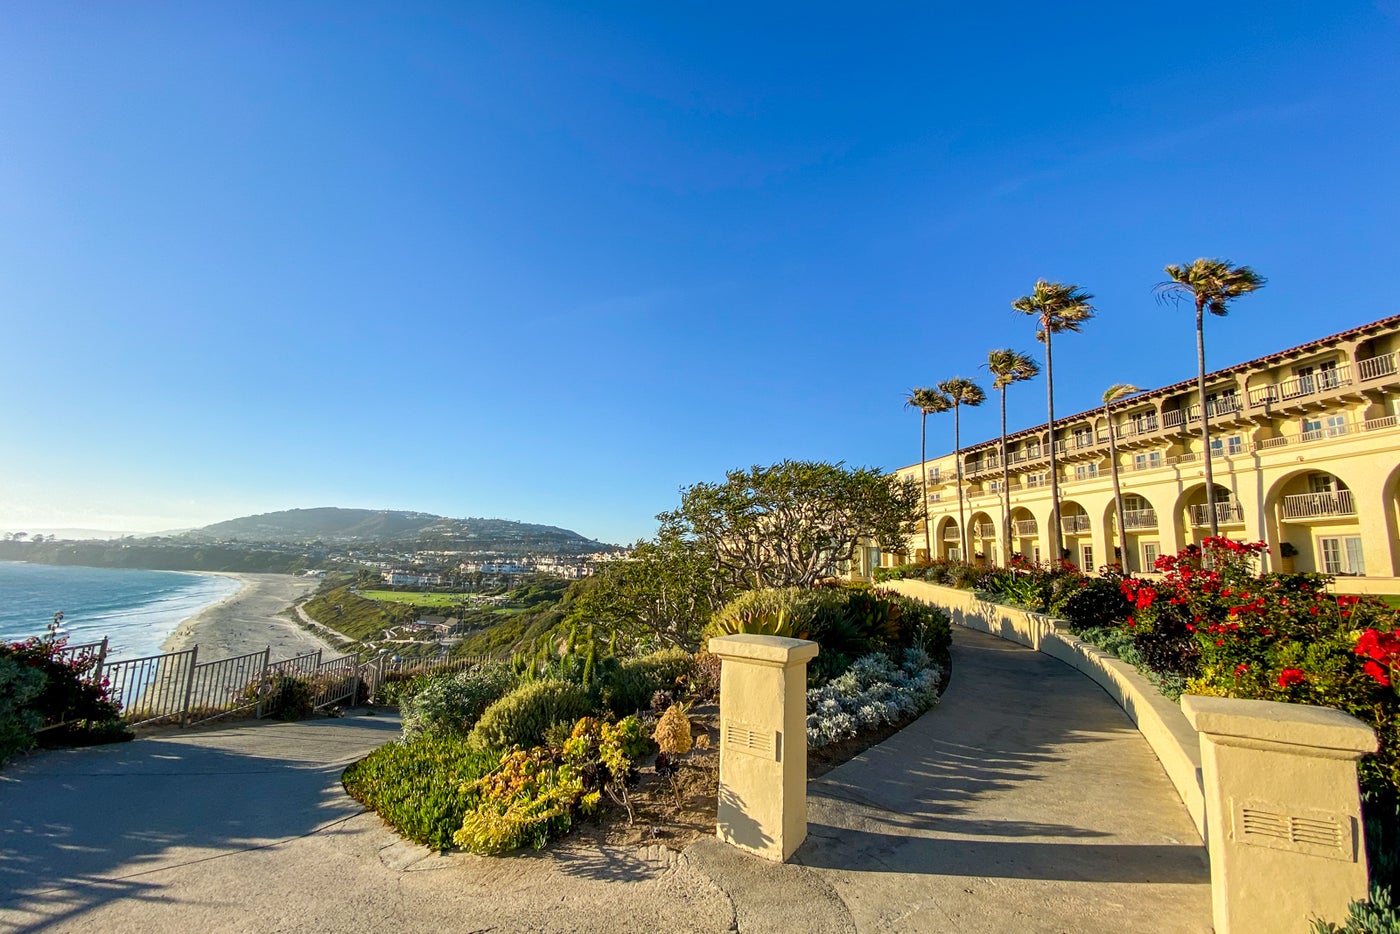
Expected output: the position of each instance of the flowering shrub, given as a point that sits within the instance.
(873, 692)
(532, 795)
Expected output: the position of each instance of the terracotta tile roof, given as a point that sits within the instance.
(1383, 324)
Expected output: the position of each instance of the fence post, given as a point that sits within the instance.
(189, 688)
(101, 660)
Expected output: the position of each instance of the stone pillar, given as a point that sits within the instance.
(1283, 814)
(763, 743)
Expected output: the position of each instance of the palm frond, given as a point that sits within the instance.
(962, 391)
(1119, 391)
(1211, 282)
(929, 401)
(1010, 366)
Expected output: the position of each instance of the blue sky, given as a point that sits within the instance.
(552, 263)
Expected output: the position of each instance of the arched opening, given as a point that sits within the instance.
(1076, 529)
(1315, 525)
(1195, 512)
(1143, 544)
(1025, 534)
(982, 538)
(948, 542)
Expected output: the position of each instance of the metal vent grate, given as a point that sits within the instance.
(1316, 832)
(741, 737)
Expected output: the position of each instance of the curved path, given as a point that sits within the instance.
(1025, 802)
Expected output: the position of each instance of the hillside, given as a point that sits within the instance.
(332, 524)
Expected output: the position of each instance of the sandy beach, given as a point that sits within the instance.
(248, 621)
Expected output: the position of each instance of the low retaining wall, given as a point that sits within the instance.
(1160, 721)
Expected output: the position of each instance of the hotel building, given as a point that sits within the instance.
(1305, 449)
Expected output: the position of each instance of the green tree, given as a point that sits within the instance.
(961, 392)
(1055, 307)
(794, 523)
(1211, 285)
(664, 591)
(1008, 366)
(928, 402)
(1111, 395)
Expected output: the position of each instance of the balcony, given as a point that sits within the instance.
(1071, 525)
(1225, 514)
(1376, 367)
(984, 530)
(950, 534)
(1140, 519)
(1300, 387)
(1318, 505)
(1024, 528)
(1172, 418)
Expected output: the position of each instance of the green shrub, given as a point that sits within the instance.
(1376, 916)
(453, 703)
(287, 697)
(630, 685)
(19, 686)
(1095, 603)
(397, 688)
(521, 717)
(420, 787)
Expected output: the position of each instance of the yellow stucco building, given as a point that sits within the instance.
(1305, 451)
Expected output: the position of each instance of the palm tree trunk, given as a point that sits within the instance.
(1205, 418)
(923, 475)
(1118, 496)
(1005, 490)
(1056, 542)
(957, 453)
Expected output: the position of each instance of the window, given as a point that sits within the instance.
(1327, 375)
(1086, 471)
(1033, 448)
(1304, 384)
(1088, 554)
(1035, 553)
(1133, 503)
(1322, 483)
(1083, 437)
(1342, 555)
(1312, 429)
(1147, 461)
(1150, 551)
(1336, 426)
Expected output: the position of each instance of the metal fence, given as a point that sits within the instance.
(178, 688)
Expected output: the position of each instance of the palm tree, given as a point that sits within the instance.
(1111, 395)
(1212, 284)
(1008, 366)
(1056, 307)
(961, 392)
(928, 402)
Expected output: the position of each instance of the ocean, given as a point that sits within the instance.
(136, 610)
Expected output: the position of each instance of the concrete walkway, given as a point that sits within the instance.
(1024, 802)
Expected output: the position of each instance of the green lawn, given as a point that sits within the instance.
(438, 600)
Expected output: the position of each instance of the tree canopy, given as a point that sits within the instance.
(793, 523)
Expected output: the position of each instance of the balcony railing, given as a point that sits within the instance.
(1325, 431)
(1071, 524)
(1376, 424)
(1147, 463)
(1300, 386)
(1225, 514)
(1375, 367)
(950, 534)
(1313, 505)
(1024, 527)
(1171, 419)
(984, 530)
(1140, 519)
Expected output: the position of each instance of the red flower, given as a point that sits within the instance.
(1291, 676)
(1240, 669)
(1378, 672)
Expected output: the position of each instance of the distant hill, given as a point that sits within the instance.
(330, 524)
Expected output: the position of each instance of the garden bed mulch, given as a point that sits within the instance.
(678, 810)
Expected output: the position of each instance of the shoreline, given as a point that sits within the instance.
(247, 620)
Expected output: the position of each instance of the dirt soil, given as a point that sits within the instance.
(677, 810)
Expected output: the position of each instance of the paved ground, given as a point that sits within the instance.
(1025, 802)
